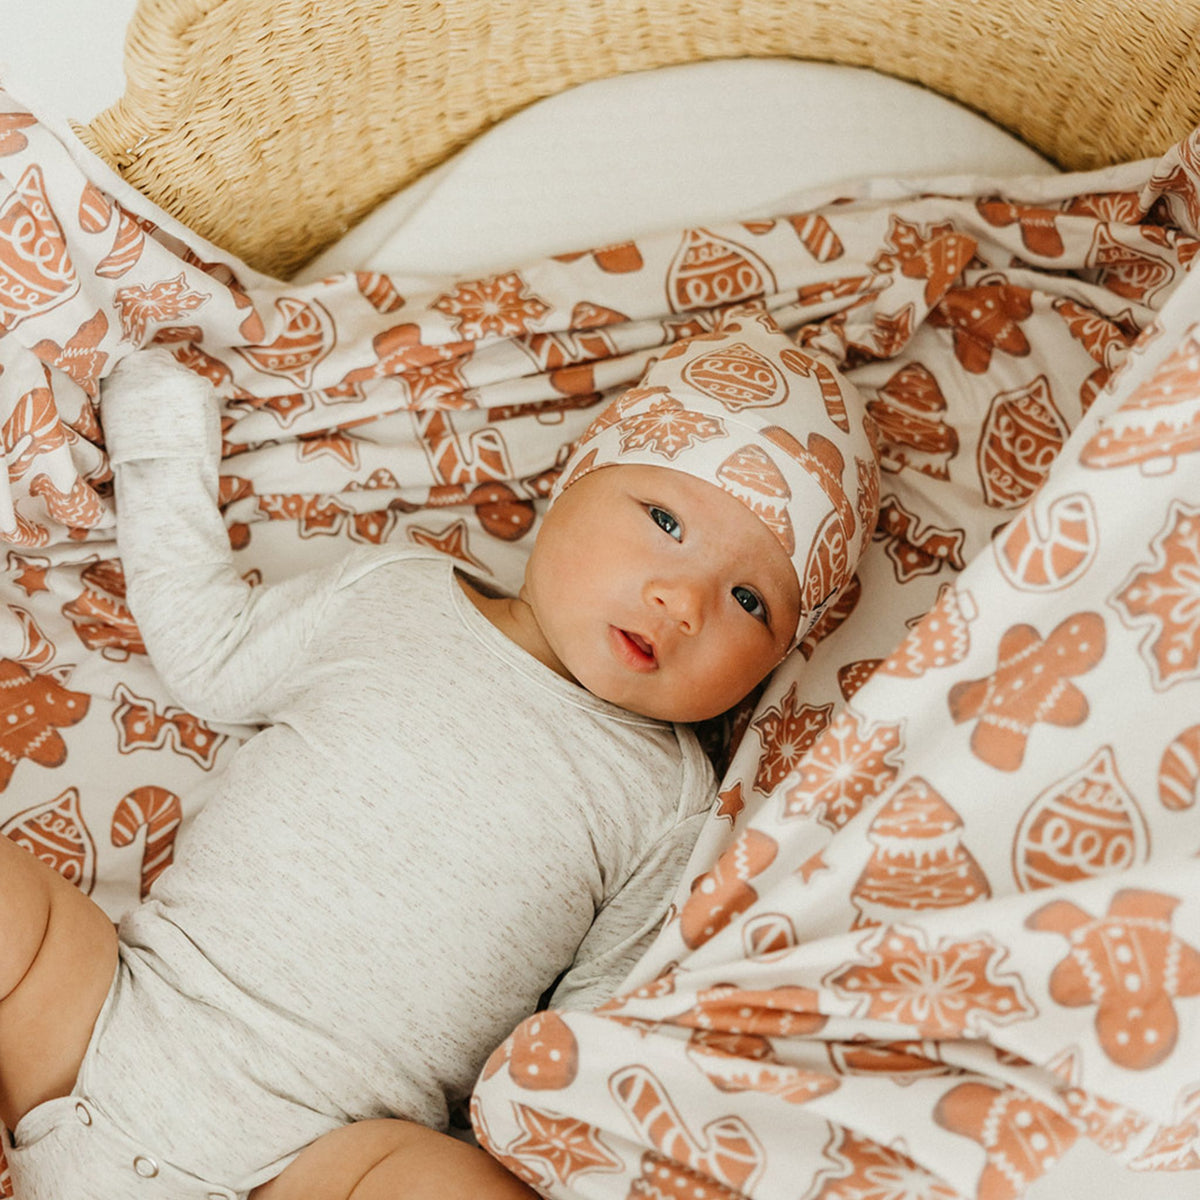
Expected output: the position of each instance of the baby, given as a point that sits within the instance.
(457, 797)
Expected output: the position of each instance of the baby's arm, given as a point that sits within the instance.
(216, 642)
(386, 1159)
(627, 925)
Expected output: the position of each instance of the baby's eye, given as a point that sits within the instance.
(667, 523)
(750, 601)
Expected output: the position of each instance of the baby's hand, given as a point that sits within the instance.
(155, 371)
(152, 406)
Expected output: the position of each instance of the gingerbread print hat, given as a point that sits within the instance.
(777, 427)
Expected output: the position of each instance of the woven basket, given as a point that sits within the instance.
(271, 126)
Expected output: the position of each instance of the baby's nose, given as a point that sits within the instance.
(681, 599)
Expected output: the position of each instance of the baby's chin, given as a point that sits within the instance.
(677, 710)
(649, 694)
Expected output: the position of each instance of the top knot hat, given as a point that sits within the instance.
(779, 428)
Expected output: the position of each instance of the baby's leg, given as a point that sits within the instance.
(386, 1158)
(58, 953)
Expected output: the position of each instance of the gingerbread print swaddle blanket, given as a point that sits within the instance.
(944, 920)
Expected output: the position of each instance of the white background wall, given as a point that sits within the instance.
(64, 56)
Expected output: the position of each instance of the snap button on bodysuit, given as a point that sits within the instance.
(147, 1168)
(83, 1113)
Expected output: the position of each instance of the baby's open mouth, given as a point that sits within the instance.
(640, 642)
(637, 651)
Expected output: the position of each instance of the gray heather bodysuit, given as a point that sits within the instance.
(429, 829)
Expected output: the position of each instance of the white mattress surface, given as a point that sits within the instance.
(660, 150)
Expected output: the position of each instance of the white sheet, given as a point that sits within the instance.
(661, 150)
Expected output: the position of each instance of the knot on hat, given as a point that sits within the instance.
(779, 428)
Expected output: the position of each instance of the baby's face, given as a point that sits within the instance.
(660, 592)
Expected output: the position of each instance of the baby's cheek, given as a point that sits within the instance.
(728, 678)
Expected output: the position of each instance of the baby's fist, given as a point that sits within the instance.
(152, 406)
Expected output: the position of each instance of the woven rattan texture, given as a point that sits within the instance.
(271, 126)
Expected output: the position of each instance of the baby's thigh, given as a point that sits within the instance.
(387, 1158)
(58, 954)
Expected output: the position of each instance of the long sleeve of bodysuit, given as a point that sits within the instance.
(218, 643)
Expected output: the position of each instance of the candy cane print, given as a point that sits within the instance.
(160, 812)
(480, 460)
(1051, 552)
(1179, 770)
(729, 1154)
(38, 650)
